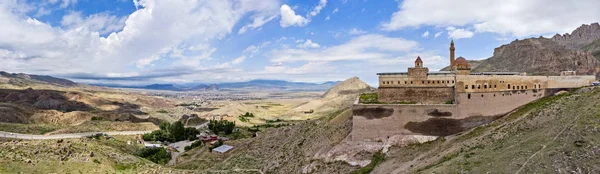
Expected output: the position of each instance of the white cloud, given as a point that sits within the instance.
(355, 31)
(239, 60)
(512, 17)
(327, 18)
(67, 3)
(459, 33)
(102, 22)
(267, 11)
(437, 34)
(289, 17)
(425, 35)
(318, 8)
(100, 44)
(363, 47)
(308, 44)
(335, 10)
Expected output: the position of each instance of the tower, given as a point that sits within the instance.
(452, 54)
(418, 62)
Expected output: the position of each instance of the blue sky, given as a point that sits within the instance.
(206, 41)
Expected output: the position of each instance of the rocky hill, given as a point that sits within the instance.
(583, 35)
(539, 56)
(578, 51)
(350, 86)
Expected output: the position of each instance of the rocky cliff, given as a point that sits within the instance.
(539, 56)
(582, 36)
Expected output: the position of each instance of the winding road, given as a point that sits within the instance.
(64, 136)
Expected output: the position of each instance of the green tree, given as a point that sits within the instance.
(177, 131)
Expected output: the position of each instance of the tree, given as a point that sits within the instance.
(190, 133)
(221, 125)
(177, 131)
(164, 126)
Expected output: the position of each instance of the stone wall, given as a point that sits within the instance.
(424, 95)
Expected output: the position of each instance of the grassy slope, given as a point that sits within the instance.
(278, 150)
(49, 156)
(556, 134)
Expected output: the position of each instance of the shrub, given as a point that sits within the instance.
(94, 118)
(221, 126)
(156, 155)
(194, 145)
(163, 111)
(377, 159)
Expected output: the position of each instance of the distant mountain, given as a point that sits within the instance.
(578, 51)
(25, 79)
(254, 84)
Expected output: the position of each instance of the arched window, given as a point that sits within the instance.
(472, 86)
(466, 86)
(478, 86)
(484, 86)
(508, 86)
(469, 96)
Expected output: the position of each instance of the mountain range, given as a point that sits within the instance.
(578, 51)
(253, 84)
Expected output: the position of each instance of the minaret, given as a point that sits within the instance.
(452, 54)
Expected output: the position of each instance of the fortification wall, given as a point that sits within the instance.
(379, 122)
(408, 81)
(494, 103)
(427, 95)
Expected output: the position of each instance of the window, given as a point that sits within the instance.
(484, 86)
(494, 95)
(447, 81)
(422, 82)
(525, 87)
(481, 95)
(469, 96)
(494, 86)
(438, 82)
(428, 82)
(452, 81)
(513, 87)
(411, 82)
(472, 86)
(443, 81)
(478, 86)
(466, 86)
(508, 86)
(405, 82)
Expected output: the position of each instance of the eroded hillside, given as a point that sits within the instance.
(558, 134)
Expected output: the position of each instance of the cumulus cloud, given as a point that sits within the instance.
(512, 17)
(363, 47)
(289, 17)
(101, 44)
(308, 44)
(459, 33)
(425, 35)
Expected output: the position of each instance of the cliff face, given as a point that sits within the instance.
(539, 56)
(580, 37)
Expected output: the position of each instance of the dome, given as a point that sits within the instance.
(461, 62)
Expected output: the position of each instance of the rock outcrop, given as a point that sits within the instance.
(539, 56)
(582, 36)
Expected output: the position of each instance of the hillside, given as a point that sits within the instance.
(538, 56)
(552, 135)
(27, 79)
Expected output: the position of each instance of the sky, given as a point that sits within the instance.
(134, 42)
